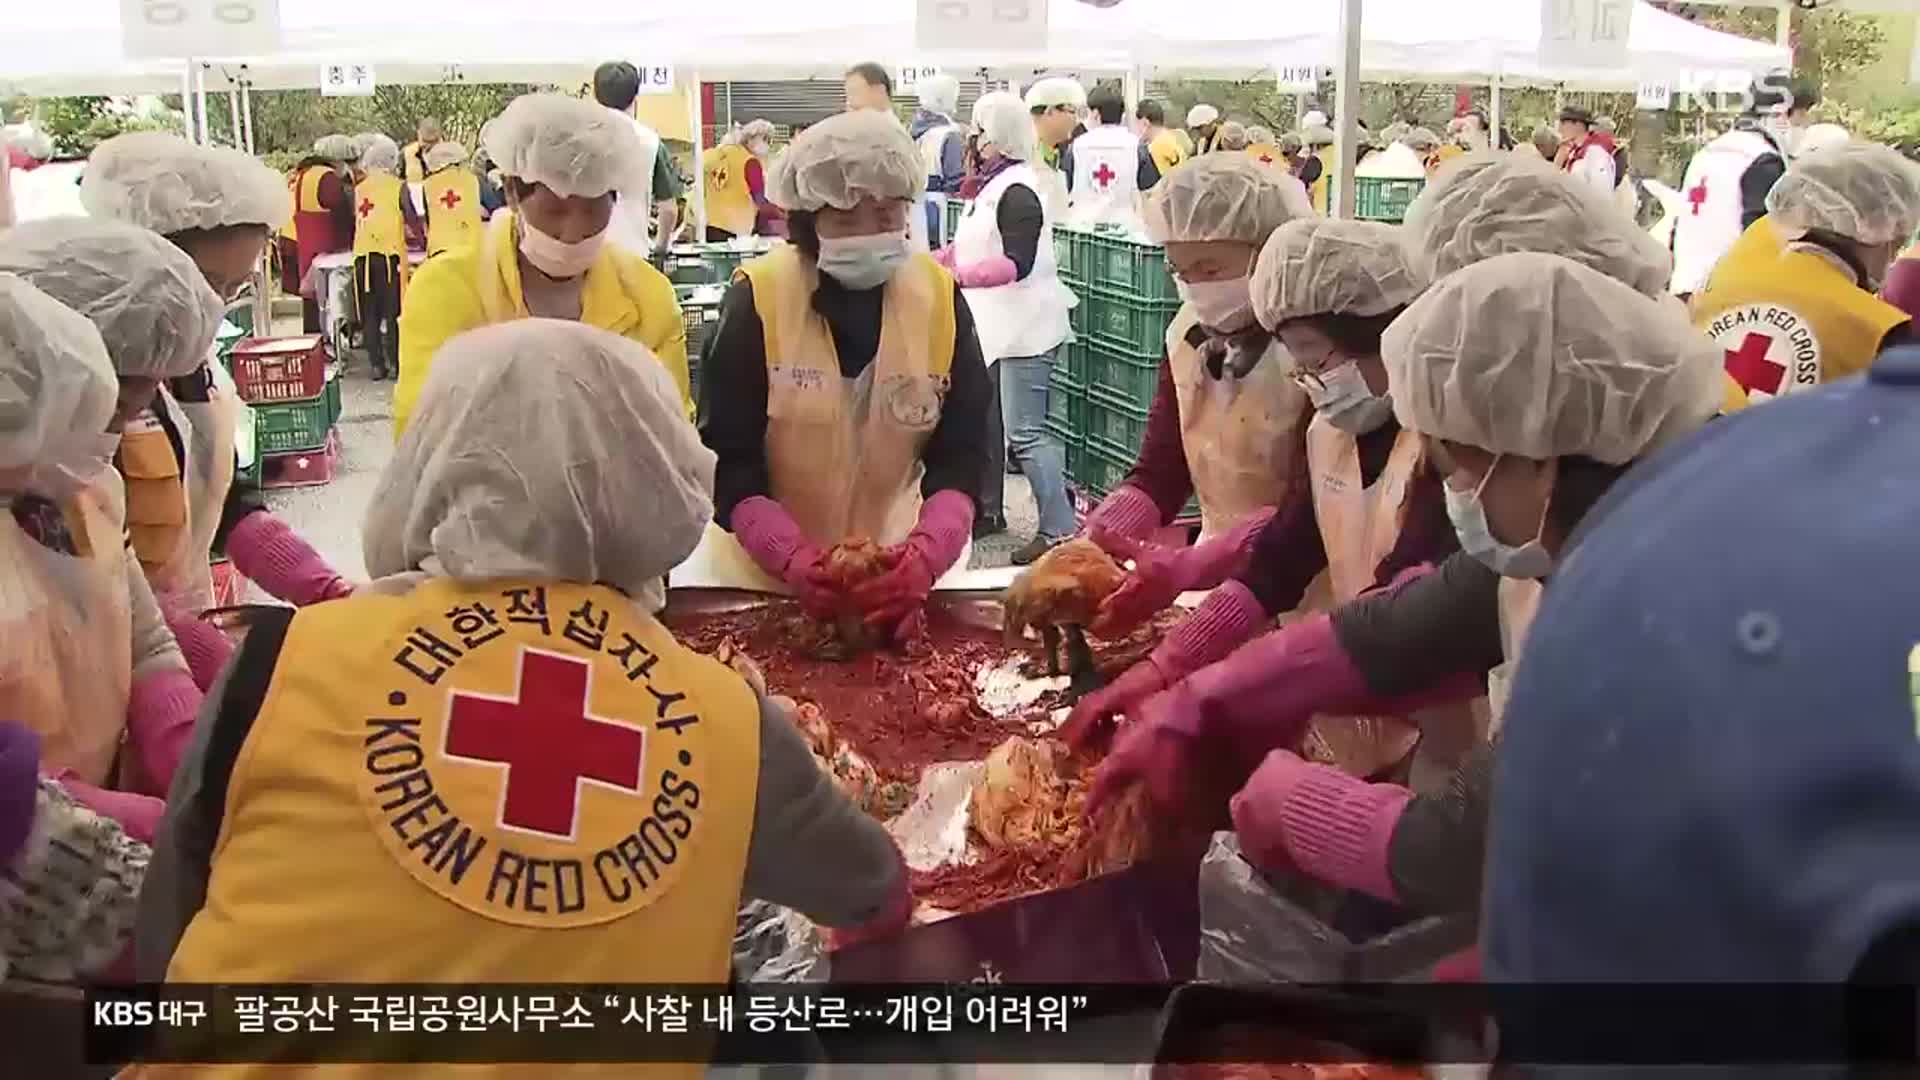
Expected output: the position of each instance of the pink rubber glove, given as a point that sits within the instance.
(1128, 511)
(987, 273)
(1161, 573)
(160, 717)
(776, 543)
(944, 256)
(206, 646)
(139, 815)
(1902, 288)
(1336, 828)
(945, 525)
(1226, 618)
(893, 917)
(263, 548)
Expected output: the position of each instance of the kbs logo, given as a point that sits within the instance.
(1732, 92)
(121, 1012)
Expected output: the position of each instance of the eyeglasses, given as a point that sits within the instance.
(1310, 381)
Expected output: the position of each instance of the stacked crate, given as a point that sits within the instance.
(1385, 198)
(1127, 299)
(700, 274)
(293, 395)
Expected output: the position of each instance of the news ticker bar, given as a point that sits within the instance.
(904, 1023)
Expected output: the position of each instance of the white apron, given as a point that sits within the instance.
(1519, 600)
(1106, 178)
(1024, 318)
(1241, 435)
(1710, 206)
(67, 623)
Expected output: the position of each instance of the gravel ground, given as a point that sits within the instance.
(329, 516)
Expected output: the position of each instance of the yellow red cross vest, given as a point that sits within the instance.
(453, 209)
(840, 473)
(729, 201)
(473, 783)
(157, 517)
(293, 192)
(1242, 436)
(306, 190)
(379, 228)
(1267, 154)
(1787, 320)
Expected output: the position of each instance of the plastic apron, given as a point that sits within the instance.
(68, 626)
(1240, 435)
(185, 584)
(843, 455)
(1359, 525)
(1022, 318)
(1519, 600)
(157, 512)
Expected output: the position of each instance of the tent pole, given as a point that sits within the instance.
(233, 112)
(186, 98)
(1136, 88)
(1783, 25)
(246, 109)
(1347, 107)
(697, 197)
(1493, 136)
(200, 102)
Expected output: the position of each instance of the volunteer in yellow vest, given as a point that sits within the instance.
(426, 135)
(1161, 142)
(1529, 421)
(1806, 313)
(844, 390)
(452, 199)
(383, 215)
(1262, 148)
(217, 205)
(736, 181)
(87, 661)
(546, 255)
(1327, 290)
(492, 765)
(322, 217)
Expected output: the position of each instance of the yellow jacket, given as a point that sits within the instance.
(474, 286)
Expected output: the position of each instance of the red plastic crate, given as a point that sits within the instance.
(267, 370)
(305, 468)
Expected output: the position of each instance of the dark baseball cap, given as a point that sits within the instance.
(1577, 113)
(1710, 763)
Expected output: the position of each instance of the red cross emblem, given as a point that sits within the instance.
(1698, 195)
(1104, 175)
(1750, 367)
(547, 743)
(449, 198)
(1266, 159)
(366, 207)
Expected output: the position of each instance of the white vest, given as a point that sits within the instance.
(1106, 177)
(933, 142)
(628, 225)
(1710, 206)
(1025, 318)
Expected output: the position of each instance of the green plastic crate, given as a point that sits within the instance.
(1067, 408)
(1121, 424)
(1101, 469)
(955, 211)
(1077, 317)
(284, 427)
(1133, 268)
(1131, 379)
(1379, 198)
(1063, 252)
(1074, 361)
(1128, 325)
(332, 393)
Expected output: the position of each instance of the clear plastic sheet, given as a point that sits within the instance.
(1257, 930)
(777, 944)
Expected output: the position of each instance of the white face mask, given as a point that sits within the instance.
(1224, 306)
(556, 258)
(1469, 516)
(863, 262)
(1343, 397)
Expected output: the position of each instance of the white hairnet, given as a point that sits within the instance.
(1489, 203)
(442, 154)
(847, 157)
(1322, 266)
(382, 153)
(1862, 191)
(1005, 125)
(573, 147)
(939, 93)
(1201, 115)
(1257, 134)
(1823, 137)
(56, 383)
(152, 306)
(1313, 118)
(1233, 135)
(546, 449)
(165, 183)
(1048, 93)
(1421, 138)
(362, 142)
(1318, 135)
(335, 148)
(756, 129)
(1223, 197)
(1535, 355)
